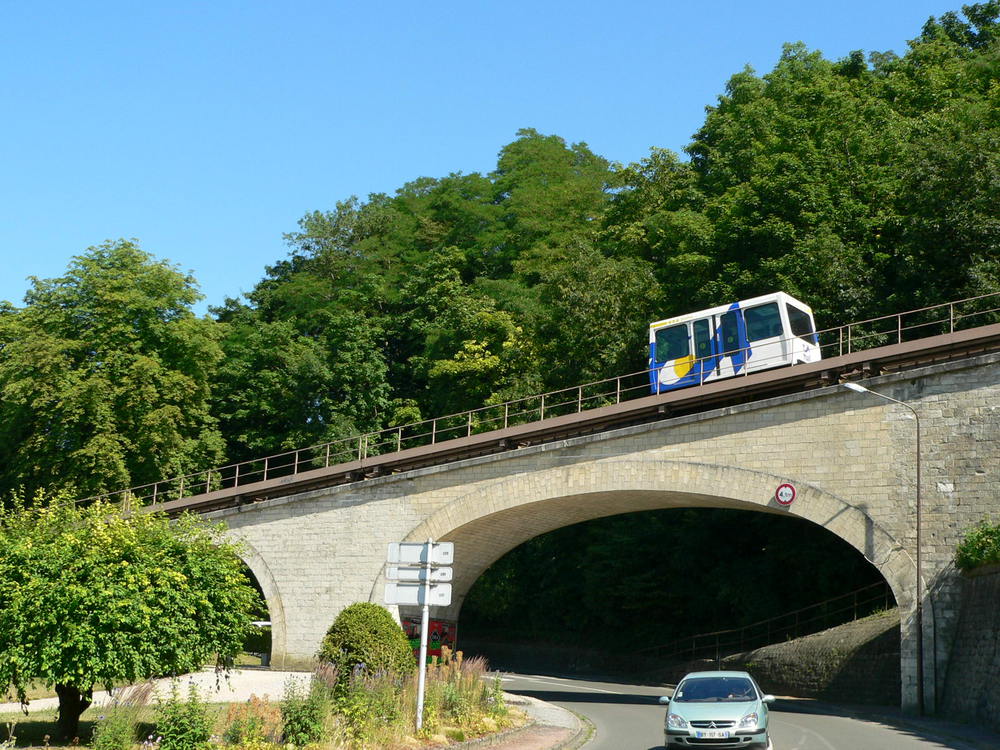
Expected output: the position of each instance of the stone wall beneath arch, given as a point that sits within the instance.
(972, 687)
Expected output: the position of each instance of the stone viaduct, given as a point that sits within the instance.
(851, 458)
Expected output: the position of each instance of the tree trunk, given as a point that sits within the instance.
(72, 703)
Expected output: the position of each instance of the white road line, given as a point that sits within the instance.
(576, 685)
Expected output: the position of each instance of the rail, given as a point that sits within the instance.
(867, 334)
(795, 624)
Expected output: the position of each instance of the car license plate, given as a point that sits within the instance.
(711, 733)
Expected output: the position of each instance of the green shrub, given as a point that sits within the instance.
(304, 714)
(258, 640)
(116, 728)
(365, 638)
(183, 724)
(981, 546)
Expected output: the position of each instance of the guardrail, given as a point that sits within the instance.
(795, 624)
(866, 334)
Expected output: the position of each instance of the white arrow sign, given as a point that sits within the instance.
(412, 594)
(415, 553)
(414, 573)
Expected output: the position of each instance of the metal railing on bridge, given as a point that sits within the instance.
(838, 610)
(866, 334)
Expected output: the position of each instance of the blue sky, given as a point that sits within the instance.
(207, 129)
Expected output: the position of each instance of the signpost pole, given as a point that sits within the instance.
(424, 624)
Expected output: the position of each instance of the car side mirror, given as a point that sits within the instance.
(664, 699)
(768, 699)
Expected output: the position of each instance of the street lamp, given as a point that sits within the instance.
(920, 579)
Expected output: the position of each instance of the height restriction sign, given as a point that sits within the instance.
(785, 494)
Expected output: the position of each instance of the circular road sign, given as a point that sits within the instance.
(785, 494)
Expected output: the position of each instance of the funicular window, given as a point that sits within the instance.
(801, 324)
(702, 338)
(729, 328)
(763, 321)
(672, 343)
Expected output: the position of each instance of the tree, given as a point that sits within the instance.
(104, 377)
(94, 596)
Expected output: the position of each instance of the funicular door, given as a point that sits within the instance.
(729, 344)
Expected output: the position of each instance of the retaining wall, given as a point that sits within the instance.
(972, 686)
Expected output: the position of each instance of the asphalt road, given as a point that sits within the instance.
(628, 717)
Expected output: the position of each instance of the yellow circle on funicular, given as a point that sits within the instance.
(682, 366)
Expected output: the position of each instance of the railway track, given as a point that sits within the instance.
(893, 358)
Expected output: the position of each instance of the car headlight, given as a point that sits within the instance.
(749, 721)
(676, 722)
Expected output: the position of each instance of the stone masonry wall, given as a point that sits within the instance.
(972, 688)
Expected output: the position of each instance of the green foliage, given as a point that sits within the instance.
(304, 714)
(105, 377)
(116, 729)
(364, 638)
(91, 596)
(183, 724)
(118, 725)
(373, 705)
(980, 546)
(258, 640)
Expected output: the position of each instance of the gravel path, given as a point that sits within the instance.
(237, 686)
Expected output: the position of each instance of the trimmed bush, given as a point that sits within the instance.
(364, 638)
(981, 546)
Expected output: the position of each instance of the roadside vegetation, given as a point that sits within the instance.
(979, 547)
(344, 706)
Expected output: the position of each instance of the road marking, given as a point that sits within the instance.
(576, 685)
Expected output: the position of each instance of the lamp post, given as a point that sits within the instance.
(920, 579)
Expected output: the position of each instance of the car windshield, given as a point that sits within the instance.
(715, 690)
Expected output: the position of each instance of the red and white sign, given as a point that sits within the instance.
(785, 494)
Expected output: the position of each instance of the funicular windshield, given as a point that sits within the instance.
(672, 343)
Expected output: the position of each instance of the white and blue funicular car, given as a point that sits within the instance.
(762, 333)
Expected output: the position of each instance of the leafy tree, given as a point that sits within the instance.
(93, 596)
(275, 390)
(597, 312)
(104, 377)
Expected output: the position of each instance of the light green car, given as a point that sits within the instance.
(718, 710)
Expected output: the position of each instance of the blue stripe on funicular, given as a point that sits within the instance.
(740, 357)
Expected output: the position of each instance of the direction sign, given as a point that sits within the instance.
(412, 594)
(418, 573)
(415, 553)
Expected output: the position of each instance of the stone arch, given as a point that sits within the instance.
(497, 516)
(272, 596)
